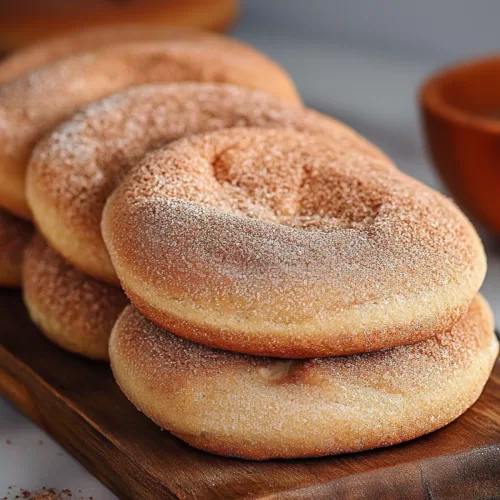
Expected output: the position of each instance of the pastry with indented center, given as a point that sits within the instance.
(31, 105)
(72, 309)
(280, 243)
(75, 168)
(261, 408)
(15, 234)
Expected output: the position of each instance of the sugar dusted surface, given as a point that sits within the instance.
(276, 236)
(264, 407)
(75, 168)
(15, 234)
(50, 50)
(33, 104)
(73, 309)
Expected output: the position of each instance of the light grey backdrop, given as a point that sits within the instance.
(436, 28)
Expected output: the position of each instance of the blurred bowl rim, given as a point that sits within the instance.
(432, 100)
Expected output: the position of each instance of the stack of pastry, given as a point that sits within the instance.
(293, 293)
(44, 86)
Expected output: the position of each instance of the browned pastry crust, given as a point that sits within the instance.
(21, 24)
(280, 243)
(75, 168)
(261, 408)
(15, 234)
(33, 104)
(55, 48)
(72, 309)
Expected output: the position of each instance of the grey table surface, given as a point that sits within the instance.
(365, 78)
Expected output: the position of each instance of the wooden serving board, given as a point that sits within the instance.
(78, 403)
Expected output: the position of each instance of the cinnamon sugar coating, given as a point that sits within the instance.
(15, 234)
(54, 48)
(261, 408)
(75, 168)
(72, 309)
(33, 104)
(275, 242)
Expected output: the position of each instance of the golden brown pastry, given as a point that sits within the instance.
(87, 39)
(33, 104)
(72, 309)
(280, 243)
(75, 168)
(260, 408)
(15, 234)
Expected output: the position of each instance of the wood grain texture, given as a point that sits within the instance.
(78, 403)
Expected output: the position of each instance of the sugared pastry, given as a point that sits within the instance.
(72, 309)
(75, 168)
(261, 408)
(15, 234)
(51, 49)
(21, 24)
(280, 243)
(33, 104)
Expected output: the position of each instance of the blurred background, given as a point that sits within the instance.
(361, 61)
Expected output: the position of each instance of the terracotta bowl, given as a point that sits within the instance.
(461, 119)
